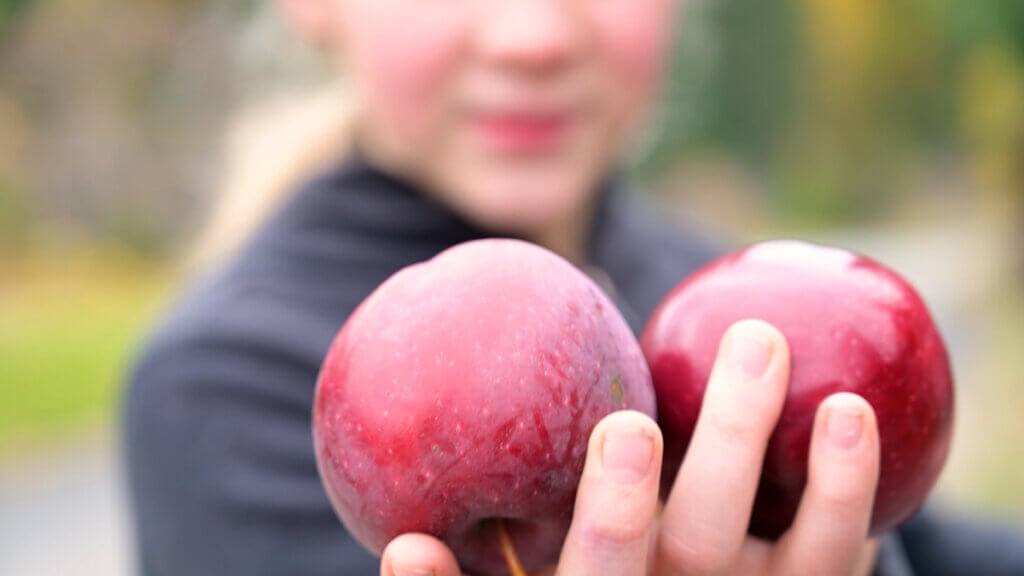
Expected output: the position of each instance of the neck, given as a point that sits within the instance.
(569, 238)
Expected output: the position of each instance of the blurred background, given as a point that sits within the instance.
(895, 127)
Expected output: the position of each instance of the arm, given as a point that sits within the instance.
(219, 457)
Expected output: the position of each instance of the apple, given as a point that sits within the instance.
(463, 391)
(852, 325)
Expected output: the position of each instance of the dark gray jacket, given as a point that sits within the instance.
(217, 416)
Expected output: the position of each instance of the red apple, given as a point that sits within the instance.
(852, 325)
(463, 390)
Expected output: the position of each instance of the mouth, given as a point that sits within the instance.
(522, 132)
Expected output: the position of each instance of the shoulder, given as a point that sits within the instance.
(217, 435)
(227, 377)
(227, 327)
(283, 296)
(259, 326)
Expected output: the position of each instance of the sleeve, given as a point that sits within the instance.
(938, 544)
(219, 455)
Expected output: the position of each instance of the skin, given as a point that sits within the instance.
(432, 77)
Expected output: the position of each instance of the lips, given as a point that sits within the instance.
(522, 132)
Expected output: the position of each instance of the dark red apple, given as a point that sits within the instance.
(852, 325)
(463, 390)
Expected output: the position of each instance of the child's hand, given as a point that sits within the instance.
(619, 529)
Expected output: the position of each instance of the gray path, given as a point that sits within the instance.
(63, 513)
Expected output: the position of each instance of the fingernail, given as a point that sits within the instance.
(627, 454)
(749, 352)
(845, 426)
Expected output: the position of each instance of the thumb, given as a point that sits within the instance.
(417, 555)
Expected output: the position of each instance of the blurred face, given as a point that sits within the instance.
(509, 111)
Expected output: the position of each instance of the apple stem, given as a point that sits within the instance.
(515, 568)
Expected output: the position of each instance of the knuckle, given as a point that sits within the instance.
(735, 427)
(840, 493)
(688, 556)
(603, 531)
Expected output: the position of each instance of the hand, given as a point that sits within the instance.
(617, 528)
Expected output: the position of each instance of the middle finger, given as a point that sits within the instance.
(708, 510)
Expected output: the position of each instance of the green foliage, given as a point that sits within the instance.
(67, 329)
(830, 103)
(751, 101)
(733, 80)
(8, 10)
(9, 7)
(991, 21)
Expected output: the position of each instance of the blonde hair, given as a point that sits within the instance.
(279, 140)
(271, 148)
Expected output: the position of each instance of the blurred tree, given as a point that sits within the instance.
(732, 82)
(10, 8)
(14, 205)
(992, 114)
(829, 152)
(123, 128)
(989, 22)
(989, 40)
(834, 104)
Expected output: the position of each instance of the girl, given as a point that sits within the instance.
(473, 119)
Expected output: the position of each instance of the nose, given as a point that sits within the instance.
(536, 34)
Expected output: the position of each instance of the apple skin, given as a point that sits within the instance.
(463, 390)
(852, 325)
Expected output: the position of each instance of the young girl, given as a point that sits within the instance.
(475, 119)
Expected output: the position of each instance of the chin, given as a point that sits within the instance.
(525, 202)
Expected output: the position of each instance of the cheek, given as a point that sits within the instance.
(404, 56)
(634, 37)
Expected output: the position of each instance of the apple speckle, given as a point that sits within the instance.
(616, 389)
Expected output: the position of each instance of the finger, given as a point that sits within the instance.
(616, 500)
(830, 530)
(418, 555)
(708, 511)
